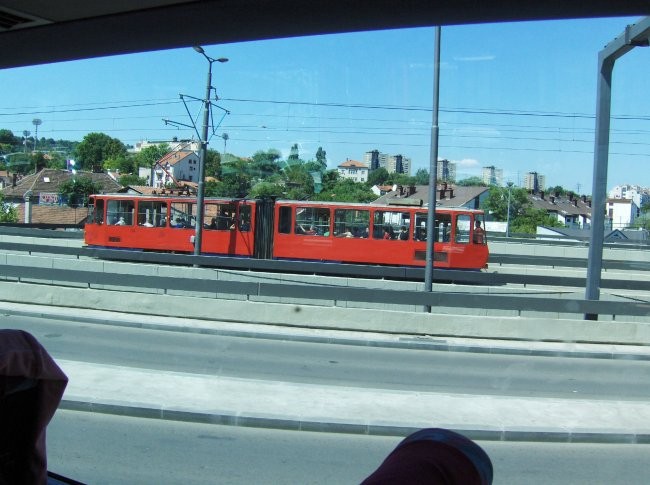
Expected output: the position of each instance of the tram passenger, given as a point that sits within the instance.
(121, 222)
(387, 233)
(479, 233)
(403, 234)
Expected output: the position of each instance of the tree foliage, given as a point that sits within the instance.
(150, 155)
(76, 190)
(346, 190)
(8, 212)
(471, 182)
(95, 148)
(378, 177)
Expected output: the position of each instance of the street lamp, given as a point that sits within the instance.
(203, 151)
(36, 122)
(508, 218)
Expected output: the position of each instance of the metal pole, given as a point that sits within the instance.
(202, 155)
(508, 217)
(433, 168)
(637, 35)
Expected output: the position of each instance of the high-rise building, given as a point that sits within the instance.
(534, 181)
(446, 171)
(492, 175)
(392, 163)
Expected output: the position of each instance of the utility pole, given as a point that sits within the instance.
(433, 168)
(204, 139)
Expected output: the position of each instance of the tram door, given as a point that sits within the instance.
(264, 220)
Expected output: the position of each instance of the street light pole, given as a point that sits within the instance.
(508, 218)
(203, 152)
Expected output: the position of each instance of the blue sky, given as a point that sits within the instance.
(520, 96)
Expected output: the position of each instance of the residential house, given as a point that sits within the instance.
(380, 190)
(621, 213)
(638, 194)
(571, 211)
(176, 166)
(446, 196)
(611, 236)
(353, 170)
(37, 199)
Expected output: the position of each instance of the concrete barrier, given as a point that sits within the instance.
(399, 322)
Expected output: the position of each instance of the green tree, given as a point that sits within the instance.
(267, 189)
(471, 182)
(378, 177)
(496, 202)
(294, 154)
(530, 218)
(212, 163)
(321, 158)
(422, 177)
(346, 190)
(150, 155)
(132, 180)
(121, 163)
(95, 148)
(8, 212)
(77, 190)
(264, 164)
(8, 142)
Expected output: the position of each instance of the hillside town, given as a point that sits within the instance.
(46, 186)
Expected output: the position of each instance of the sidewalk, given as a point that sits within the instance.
(308, 407)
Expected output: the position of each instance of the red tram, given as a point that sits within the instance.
(284, 229)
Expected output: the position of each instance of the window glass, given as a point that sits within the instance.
(244, 218)
(462, 228)
(182, 215)
(312, 221)
(442, 226)
(351, 223)
(479, 236)
(120, 212)
(152, 213)
(220, 217)
(96, 211)
(391, 225)
(284, 224)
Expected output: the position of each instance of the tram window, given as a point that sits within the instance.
(284, 223)
(120, 212)
(244, 218)
(351, 223)
(389, 225)
(220, 217)
(152, 213)
(96, 211)
(462, 228)
(479, 230)
(312, 221)
(182, 215)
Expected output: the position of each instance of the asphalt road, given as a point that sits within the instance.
(106, 449)
(349, 365)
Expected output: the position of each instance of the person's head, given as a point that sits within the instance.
(477, 223)
(403, 229)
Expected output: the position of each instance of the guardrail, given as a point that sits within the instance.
(349, 270)
(325, 292)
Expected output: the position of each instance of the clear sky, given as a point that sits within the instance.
(519, 96)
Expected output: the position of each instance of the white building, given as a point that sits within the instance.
(392, 163)
(621, 213)
(492, 175)
(174, 145)
(175, 166)
(353, 170)
(534, 181)
(636, 193)
(446, 171)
